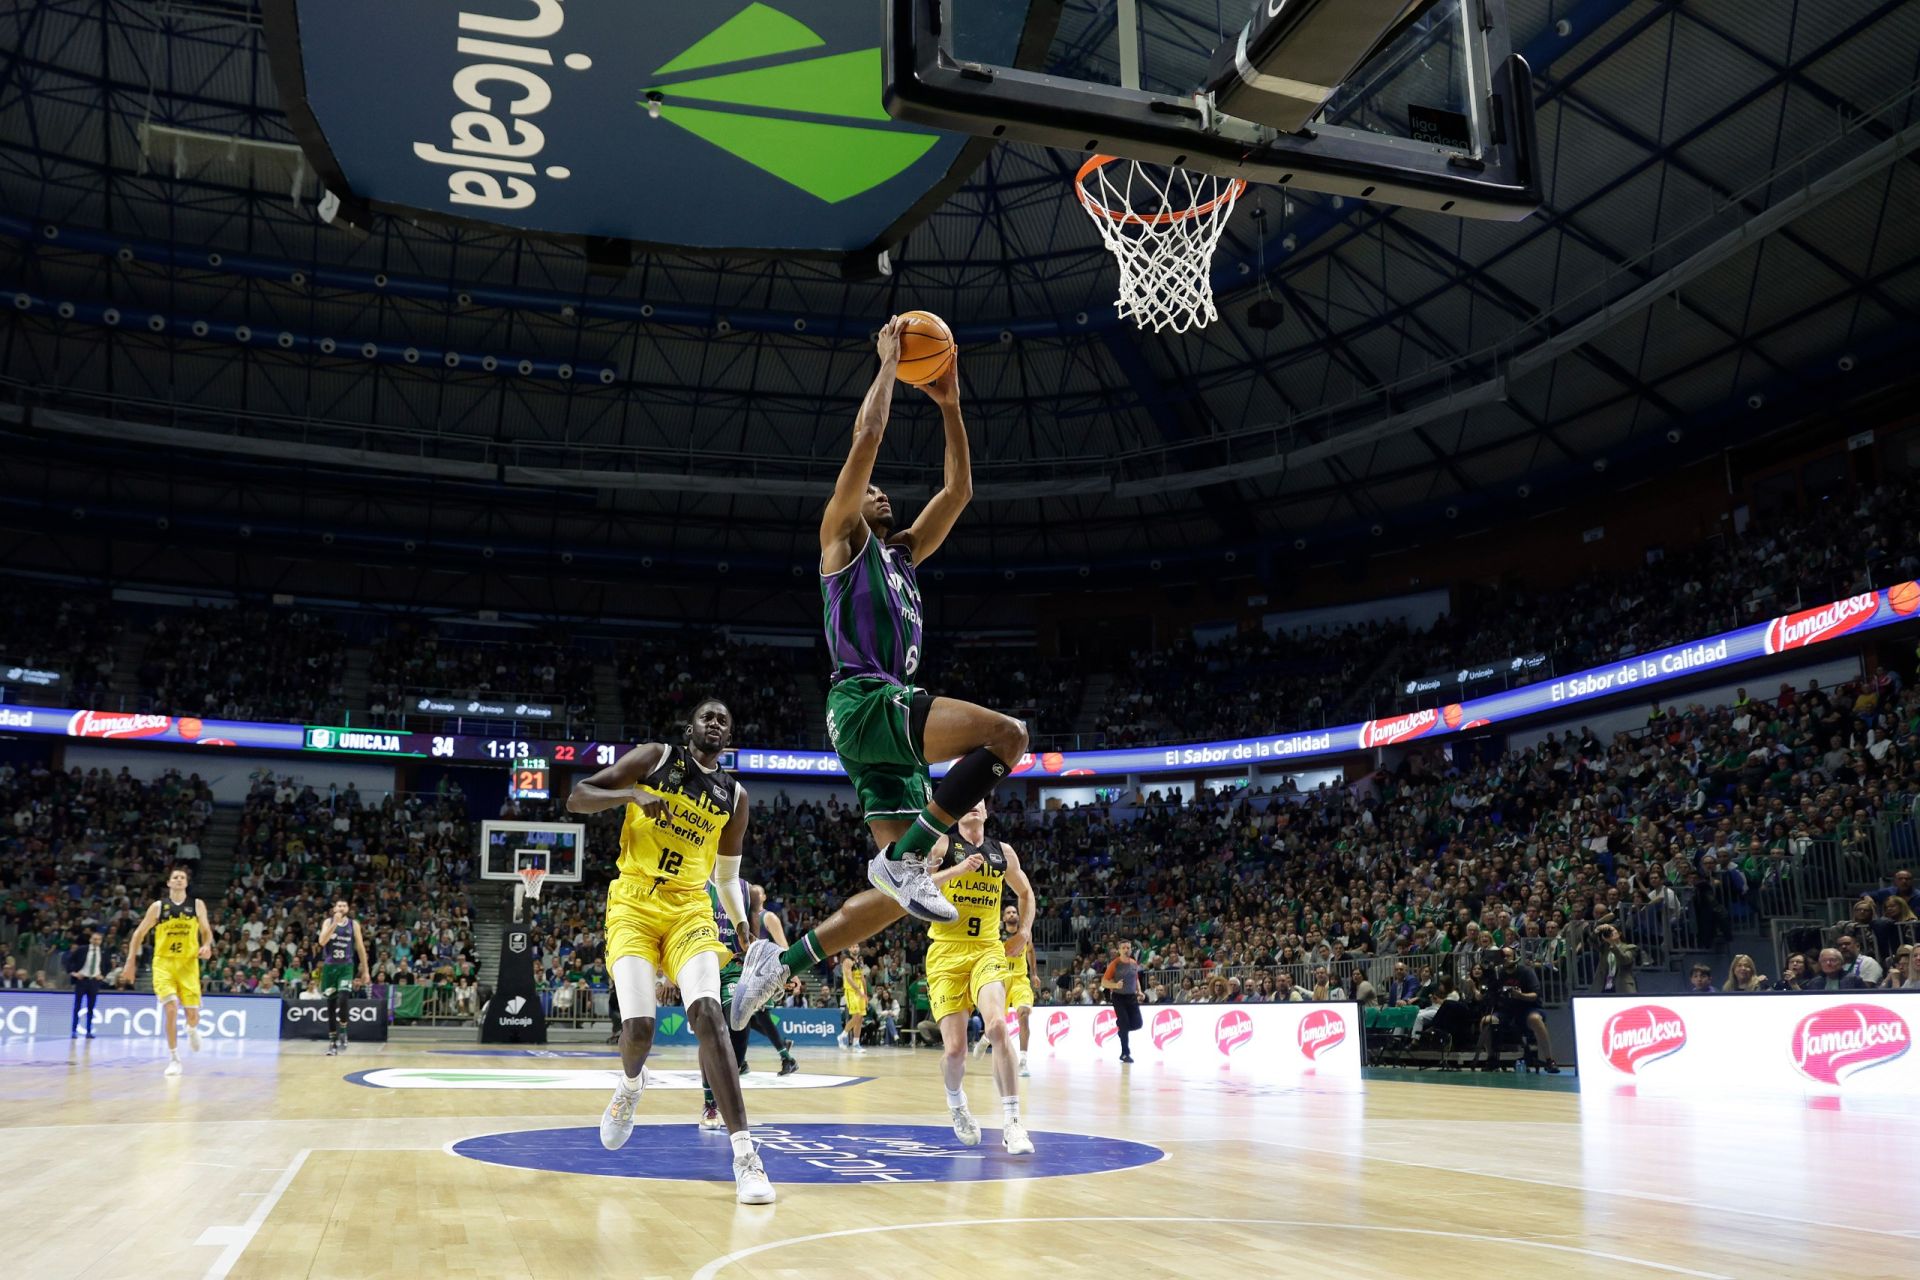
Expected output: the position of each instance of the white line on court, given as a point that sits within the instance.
(721, 1263)
(236, 1239)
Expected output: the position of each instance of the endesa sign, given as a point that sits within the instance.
(1827, 1042)
(1261, 1040)
(307, 1020)
(125, 1014)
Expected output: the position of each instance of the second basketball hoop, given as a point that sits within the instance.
(1162, 224)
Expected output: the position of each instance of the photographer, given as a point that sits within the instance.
(1615, 959)
(1514, 987)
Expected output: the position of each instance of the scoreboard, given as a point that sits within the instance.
(531, 779)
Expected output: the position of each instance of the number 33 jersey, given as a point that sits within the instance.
(673, 854)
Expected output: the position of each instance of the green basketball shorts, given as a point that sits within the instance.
(870, 722)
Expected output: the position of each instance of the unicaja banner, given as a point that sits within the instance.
(1264, 1041)
(1825, 1042)
(727, 125)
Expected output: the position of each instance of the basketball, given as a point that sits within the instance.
(1904, 598)
(926, 348)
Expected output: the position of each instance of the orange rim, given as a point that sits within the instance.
(1227, 195)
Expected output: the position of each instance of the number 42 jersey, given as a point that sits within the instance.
(675, 852)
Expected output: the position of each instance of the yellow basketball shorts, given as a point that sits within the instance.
(177, 982)
(666, 929)
(1019, 987)
(856, 1007)
(957, 971)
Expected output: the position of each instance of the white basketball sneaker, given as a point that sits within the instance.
(750, 1184)
(710, 1120)
(193, 1034)
(906, 881)
(841, 1039)
(965, 1127)
(761, 976)
(173, 1067)
(1014, 1138)
(1023, 1064)
(616, 1122)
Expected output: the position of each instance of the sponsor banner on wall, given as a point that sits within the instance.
(307, 1019)
(807, 1028)
(1265, 1040)
(1846, 1042)
(127, 1014)
(1640, 675)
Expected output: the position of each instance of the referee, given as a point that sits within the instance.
(1122, 985)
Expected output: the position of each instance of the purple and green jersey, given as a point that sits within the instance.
(872, 612)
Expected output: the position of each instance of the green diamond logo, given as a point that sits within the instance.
(845, 145)
(672, 1023)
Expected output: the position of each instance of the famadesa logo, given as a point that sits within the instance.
(1835, 1044)
(847, 144)
(1233, 1030)
(1645, 1033)
(1105, 1026)
(1384, 733)
(1059, 1026)
(1320, 1031)
(1167, 1026)
(1812, 626)
(102, 724)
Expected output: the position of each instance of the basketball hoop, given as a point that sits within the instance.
(531, 879)
(1163, 231)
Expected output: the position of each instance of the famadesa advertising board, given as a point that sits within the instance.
(1263, 1041)
(1829, 1042)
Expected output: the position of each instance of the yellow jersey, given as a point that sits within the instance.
(176, 938)
(675, 852)
(856, 985)
(977, 894)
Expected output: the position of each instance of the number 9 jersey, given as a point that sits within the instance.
(658, 908)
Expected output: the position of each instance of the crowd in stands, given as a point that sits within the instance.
(244, 664)
(1250, 683)
(414, 658)
(70, 633)
(1044, 692)
(84, 849)
(403, 863)
(663, 679)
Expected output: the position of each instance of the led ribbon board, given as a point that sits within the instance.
(735, 126)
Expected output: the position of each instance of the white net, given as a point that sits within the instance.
(1162, 225)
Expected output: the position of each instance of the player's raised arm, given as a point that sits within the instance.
(138, 940)
(937, 518)
(841, 520)
(1022, 888)
(619, 782)
(726, 863)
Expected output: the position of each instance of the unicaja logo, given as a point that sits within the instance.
(1105, 1026)
(1320, 1031)
(1167, 1026)
(1645, 1033)
(516, 1004)
(1834, 1044)
(1811, 626)
(1058, 1025)
(1233, 1030)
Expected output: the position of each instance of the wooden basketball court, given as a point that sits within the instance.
(275, 1160)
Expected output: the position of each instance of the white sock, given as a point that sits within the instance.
(632, 1083)
(1010, 1108)
(956, 1097)
(742, 1142)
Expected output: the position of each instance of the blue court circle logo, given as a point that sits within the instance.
(839, 1154)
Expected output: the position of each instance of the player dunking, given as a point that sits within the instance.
(340, 944)
(968, 967)
(853, 988)
(769, 923)
(182, 938)
(685, 824)
(886, 731)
